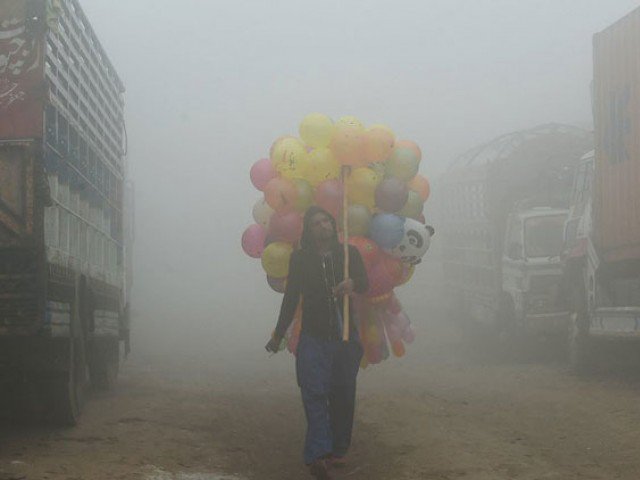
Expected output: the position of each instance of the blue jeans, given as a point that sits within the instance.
(326, 371)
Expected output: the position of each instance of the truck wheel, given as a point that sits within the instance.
(580, 348)
(105, 364)
(67, 390)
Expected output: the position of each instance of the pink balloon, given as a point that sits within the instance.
(253, 240)
(409, 335)
(401, 321)
(261, 172)
(394, 306)
(393, 332)
(285, 227)
(329, 196)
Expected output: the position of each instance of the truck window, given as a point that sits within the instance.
(543, 236)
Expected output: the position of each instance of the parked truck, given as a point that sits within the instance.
(65, 227)
(602, 251)
(504, 206)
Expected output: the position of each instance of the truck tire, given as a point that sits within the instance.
(580, 345)
(67, 389)
(105, 364)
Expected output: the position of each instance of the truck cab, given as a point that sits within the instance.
(532, 270)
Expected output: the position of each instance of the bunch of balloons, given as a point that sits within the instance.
(386, 197)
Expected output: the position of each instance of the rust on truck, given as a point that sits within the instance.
(616, 95)
(22, 85)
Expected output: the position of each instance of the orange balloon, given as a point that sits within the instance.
(411, 145)
(398, 348)
(420, 185)
(281, 194)
(379, 144)
(348, 145)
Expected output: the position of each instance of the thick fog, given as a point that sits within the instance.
(210, 85)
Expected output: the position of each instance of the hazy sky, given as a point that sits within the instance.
(210, 84)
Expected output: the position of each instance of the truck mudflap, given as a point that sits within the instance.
(616, 322)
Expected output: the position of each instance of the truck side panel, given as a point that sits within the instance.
(617, 144)
(16, 198)
(22, 87)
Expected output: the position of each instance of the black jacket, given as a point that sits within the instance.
(307, 279)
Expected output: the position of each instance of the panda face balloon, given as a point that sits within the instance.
(415, 242)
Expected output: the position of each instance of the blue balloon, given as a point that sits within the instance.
(387, 230)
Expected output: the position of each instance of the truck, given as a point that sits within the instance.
(504, 206)
(602, 234)
(65, 223)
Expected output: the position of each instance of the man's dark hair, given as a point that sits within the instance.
(306, 241)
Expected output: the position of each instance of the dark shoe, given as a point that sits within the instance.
(318, 469)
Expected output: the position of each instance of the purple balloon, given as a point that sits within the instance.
(261, 172)
(253, 240)
(391, 195)
(277, 284)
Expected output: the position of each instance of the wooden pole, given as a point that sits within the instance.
(345, 241)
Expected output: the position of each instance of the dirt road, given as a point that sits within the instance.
(436, 414)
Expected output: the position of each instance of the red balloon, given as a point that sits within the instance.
(285, 227)
(329, 196)
(261, 172)
(384, 275)
(369, 250)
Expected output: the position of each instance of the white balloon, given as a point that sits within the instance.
(415, 242)
(262, 213)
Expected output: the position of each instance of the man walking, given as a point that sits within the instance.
(326, 367)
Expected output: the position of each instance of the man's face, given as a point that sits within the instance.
(321, 227)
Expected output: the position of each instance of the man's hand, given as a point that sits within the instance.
(343, 288)
(273, 345)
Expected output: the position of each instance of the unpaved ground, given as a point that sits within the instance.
(437, 414)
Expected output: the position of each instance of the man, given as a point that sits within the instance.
(326, 367)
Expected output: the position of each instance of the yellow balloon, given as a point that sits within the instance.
(359, 220)
(373, 335)
(316, 130)
(290, 158)
(351, 121)
(362, 185)
(408, 272)
(275, 259)
(322, 166)
(414, 206)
